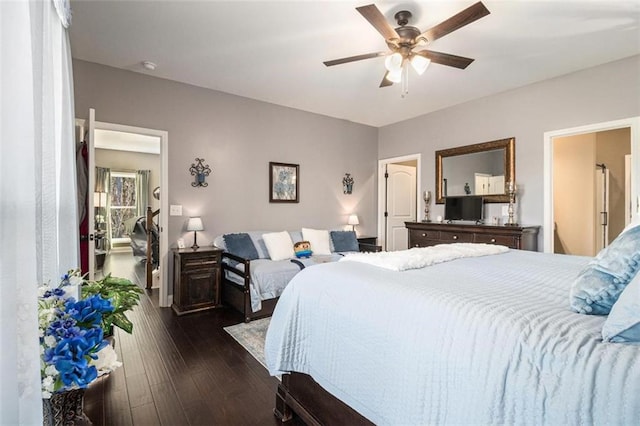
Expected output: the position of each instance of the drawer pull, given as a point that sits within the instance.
(417, 245)
(493, 240)
(455, 237)
(424, 235)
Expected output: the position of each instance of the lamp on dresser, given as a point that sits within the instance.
(195, 225)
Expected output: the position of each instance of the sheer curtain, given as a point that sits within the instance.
(38, 224)
(142, 192)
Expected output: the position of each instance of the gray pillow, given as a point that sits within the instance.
(602, 281)
(344, 241)
(240, 245)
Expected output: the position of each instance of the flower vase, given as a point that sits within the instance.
(64, 409)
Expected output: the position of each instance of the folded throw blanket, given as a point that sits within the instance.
(419, 257)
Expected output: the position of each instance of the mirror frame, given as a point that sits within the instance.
(509, 165)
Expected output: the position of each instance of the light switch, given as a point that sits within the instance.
(175, 210)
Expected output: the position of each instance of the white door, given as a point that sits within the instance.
(602, 209)
(481, 184)
(91, 171)
(401, 205)
(628, 202)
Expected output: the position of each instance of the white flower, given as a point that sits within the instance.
(50, 341)
(46, 394)
(107, 360)
(75, 280)
(51, 370)
(47, 383)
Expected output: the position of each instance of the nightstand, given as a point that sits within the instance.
(368, 240)
(196, 279)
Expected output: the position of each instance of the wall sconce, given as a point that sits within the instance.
(200, 171)
(347, 183)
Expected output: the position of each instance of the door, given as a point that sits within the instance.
(91, 172)
(602, 208)
(401, 205)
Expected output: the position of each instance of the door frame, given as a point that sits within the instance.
(381, 189)
(164, 298)
(633, 123)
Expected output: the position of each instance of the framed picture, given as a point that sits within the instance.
(284, 182)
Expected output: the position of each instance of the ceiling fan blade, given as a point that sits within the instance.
(354, 58)
(467, 16)
(446, 59)
(372, 14)
(385, 82)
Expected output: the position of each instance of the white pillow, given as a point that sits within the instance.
(279, 245)
(319, 239)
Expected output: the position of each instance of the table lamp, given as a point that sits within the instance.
(353, 221)
(195, 225)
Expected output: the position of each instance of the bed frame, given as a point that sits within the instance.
(298, 393)
(239, 296)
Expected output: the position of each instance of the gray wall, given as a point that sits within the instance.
(604, 93)
(238, 137)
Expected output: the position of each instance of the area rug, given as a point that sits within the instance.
(251, 336)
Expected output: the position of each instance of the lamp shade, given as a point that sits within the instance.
(195, 224)
(393, 62)
(353, 220)
(420, 63)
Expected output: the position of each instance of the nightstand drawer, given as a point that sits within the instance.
(204, 262)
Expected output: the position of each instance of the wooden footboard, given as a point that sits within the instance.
(298, 393)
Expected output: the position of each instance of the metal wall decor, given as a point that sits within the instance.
(347, 183)
(200, 171)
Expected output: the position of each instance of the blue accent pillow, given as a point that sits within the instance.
(344, 241)
(241, 245)
(600, 283)
(623, 323)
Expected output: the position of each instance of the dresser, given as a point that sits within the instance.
(196, 279)
(424, 234)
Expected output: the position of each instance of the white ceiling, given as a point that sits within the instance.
(273, 51)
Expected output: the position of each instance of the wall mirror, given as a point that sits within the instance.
(479, 169)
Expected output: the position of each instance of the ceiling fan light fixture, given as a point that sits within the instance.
(395, 76)
(420, 64)
(393, 62)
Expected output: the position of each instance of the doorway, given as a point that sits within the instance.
(89, 128)
(588, 185)
(128, 170)
(398, 189)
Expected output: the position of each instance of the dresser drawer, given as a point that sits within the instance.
(423, 238)
(503, 240)
(456, 237)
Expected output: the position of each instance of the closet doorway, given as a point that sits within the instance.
(398, 189)
(591, 188)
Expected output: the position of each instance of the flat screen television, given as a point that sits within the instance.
(467, 207)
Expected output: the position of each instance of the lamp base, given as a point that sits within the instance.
(195, 245)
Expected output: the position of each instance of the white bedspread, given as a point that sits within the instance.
(486, 340)
(419, 257)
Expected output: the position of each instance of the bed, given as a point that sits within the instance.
(480, 340)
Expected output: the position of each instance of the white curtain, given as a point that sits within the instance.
(38, 221)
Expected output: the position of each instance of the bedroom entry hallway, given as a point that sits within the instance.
(398, 189)
(591, 185)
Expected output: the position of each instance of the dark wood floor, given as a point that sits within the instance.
(180, 371)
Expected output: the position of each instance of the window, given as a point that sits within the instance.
(123, 204)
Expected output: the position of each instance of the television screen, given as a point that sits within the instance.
(463, 208)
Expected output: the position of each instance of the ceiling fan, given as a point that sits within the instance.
(403, 40)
